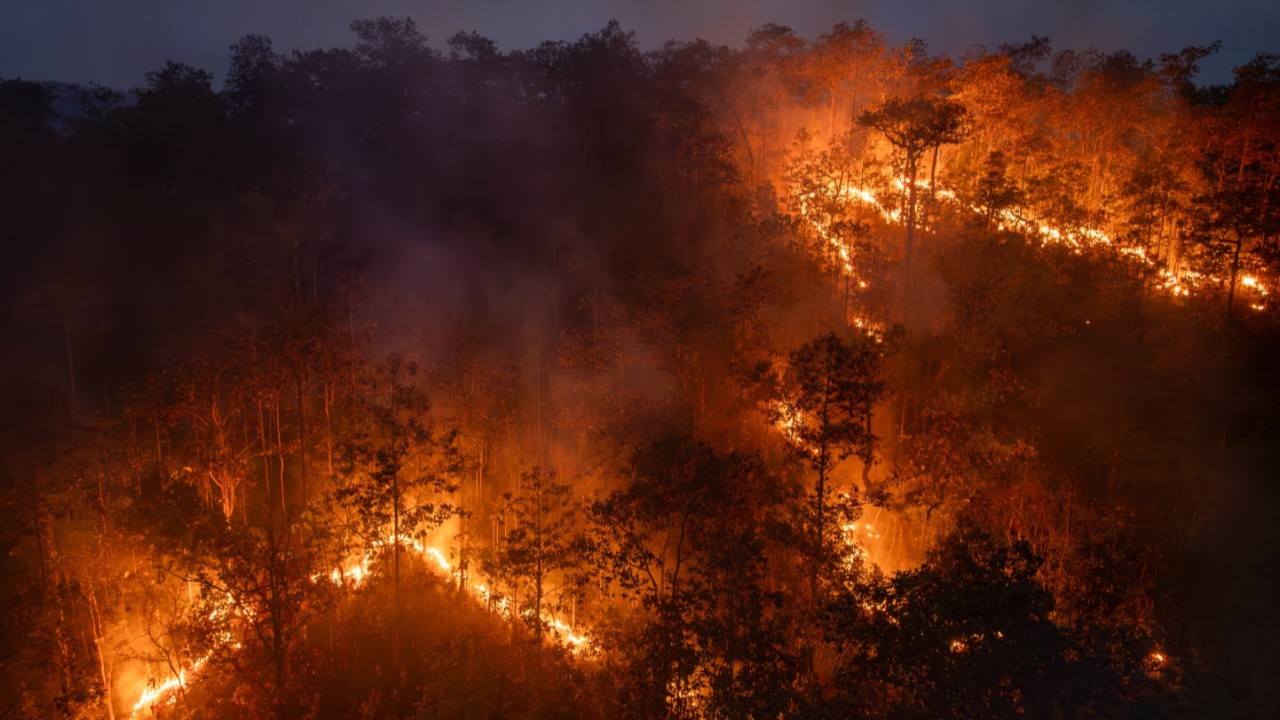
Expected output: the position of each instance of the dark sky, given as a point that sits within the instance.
(114, 42)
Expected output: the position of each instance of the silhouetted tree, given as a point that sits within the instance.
(913, 126)
(539, 544)
(397, 465)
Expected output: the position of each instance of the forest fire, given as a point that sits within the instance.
(356, 572)
(1177, 281)
(164, 692)
(801, 378)
(575, 640)
(790, 421)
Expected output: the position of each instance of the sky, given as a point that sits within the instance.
(115, 42)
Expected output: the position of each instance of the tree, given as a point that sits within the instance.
(601, 73)
(848, 64)
(689, 77)
(769, 61)
(472, 47)
(390, 42)
(1239, 213)
(254, 69)
(686, 539)
(259, 586)
(201, 415)
(994, 193)
(1180, 69)
(177, 130)
(827, 395)
(820, 184)
(396, 464)
(540, 541)
(1025, 58)
(25, 112)
(913, 126)
(970, 634)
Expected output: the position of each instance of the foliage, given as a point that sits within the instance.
(227, 308)
(396, 466)
(540, 544)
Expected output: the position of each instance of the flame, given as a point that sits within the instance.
(441, 561)
(165, 690)
(1179, 283)
(355, 574)
(790, 421)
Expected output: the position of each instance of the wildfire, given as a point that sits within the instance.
(824, 232)
(867, 530)
(563, 631)
(166, 690)
(1178, 282)
(355, 575)
(790, 421)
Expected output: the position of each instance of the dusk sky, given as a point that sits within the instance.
(115, 42)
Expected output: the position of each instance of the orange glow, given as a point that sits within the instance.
(1177, 282)
(164, 691)
(355, 574)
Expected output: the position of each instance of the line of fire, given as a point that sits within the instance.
(808, 378)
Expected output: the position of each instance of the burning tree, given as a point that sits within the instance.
(258, 591)
(826, 400)
(913, 126)
(540, 543)
(821, 183)
(1239, 214)
(397, 464)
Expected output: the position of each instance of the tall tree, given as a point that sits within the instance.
(914, 125)
(685, 539)
(539, 542)
(397, 465)
(1240, 211)
(850, 65)
(827, 395)
(255, 67)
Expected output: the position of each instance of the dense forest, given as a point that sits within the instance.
(812, 378)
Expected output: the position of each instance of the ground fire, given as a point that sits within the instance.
(807, 377)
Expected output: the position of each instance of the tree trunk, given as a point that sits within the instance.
(908, 249)
(266, 466)
(1235, 274)
(933, 190)
(831, 126)
(96, 625)
(395, 537)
